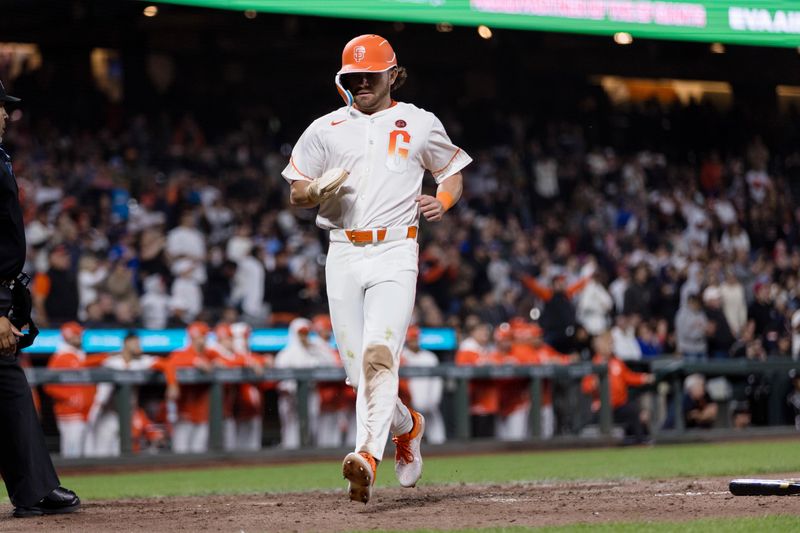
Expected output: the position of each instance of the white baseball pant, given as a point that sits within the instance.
(248, 434)
(371, 290)
(73, 435)
(106, 435)
(514, 426)
(188, 437)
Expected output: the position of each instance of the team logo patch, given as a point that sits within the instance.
(400, 123)
(358, 53)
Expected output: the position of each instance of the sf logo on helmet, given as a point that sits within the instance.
(358, 53)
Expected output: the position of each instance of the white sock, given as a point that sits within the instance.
(402, 421)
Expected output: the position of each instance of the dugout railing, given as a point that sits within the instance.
(669, 370)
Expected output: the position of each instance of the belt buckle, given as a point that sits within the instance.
(23, 279)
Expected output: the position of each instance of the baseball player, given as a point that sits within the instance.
(337, 400)
(103, 416)
(363, 165)
(426, 393)
(72, 403)
(248, 407)
(190, 431)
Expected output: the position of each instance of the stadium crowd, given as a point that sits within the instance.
(629, 245)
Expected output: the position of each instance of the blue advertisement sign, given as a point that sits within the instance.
(167, 340)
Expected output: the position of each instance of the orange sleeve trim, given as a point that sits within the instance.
(434, 172)
(291, 160)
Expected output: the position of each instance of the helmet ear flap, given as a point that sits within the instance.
(346, 95)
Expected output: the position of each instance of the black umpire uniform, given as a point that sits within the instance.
(25, 464)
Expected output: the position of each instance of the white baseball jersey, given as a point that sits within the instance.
(386, 153)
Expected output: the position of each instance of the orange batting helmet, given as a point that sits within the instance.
(365, 53)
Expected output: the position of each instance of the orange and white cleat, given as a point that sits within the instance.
(360, 469)
(407, 457)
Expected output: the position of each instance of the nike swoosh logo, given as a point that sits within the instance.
(337, 122)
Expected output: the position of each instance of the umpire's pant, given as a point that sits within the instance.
(24, 461)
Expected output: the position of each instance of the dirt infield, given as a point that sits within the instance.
(441, 507)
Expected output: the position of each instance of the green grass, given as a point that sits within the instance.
(774, 523)
(733, 459)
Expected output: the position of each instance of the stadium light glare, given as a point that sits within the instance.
(444, 27)
(150, 11)
(484, 32)
(623, 38)
(717, 48)
(250, 14)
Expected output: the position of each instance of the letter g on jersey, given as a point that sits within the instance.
(399, 143)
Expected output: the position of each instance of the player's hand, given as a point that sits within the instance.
(431, 208)
(650, 379)
(9, 335)
(173, 392)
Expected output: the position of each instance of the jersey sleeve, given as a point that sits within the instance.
(440, 156)
(308, 157)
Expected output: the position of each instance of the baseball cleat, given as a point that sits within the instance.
(407, 457)
(360, 469)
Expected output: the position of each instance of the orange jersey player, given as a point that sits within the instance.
(475, 350)
(620, 377)
(190, 432)
(72, 403)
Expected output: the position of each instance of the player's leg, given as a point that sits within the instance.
(547, 420)
(343, 273)
(346, 301)
(290, 425)
(199, 439)
(229, 433)
(517, 423)
(388, 305)
(434, 427)
(72, 434)
(181, 436)
(106, 435)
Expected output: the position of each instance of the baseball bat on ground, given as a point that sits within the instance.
(764, 487)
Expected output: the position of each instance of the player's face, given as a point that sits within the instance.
(3, 118)
(371, 89)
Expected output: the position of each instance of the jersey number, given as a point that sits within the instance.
(399, 142)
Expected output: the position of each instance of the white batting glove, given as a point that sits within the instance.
(327, 185)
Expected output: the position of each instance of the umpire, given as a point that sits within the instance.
(25, 464)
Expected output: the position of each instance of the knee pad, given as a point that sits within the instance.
(377, 358)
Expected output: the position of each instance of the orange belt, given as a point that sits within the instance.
(369, 236)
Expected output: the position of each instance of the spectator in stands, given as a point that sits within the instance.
(626, 345)
(718, 333)
(558, 316)
(691, 325)
(426, 393)
(638, 296)
(699, 411)
(190, 431)
(764, 316)
(594, 307)
(154, 303)
(186, 299)
(734, 305)
(56, 292)
(620, 377)
(651, 341)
